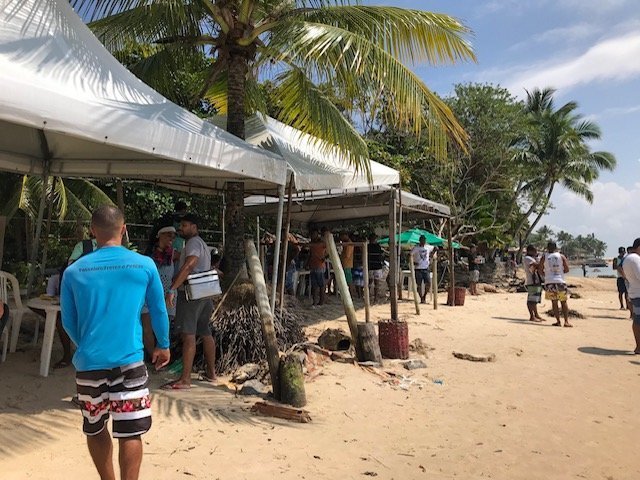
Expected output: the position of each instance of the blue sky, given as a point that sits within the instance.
(589, 50)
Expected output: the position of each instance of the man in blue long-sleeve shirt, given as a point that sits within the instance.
(101, 297)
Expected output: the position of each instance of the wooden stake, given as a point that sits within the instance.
(285, 245)
(434, 281)
(365, 276)
(343, 289)
(266, 317)
(452, 276)
(393, 257)
(413, 286)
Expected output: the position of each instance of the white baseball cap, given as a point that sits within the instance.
(166, 230)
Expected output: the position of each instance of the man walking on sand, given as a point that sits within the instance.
(102, 295)
(631, 267)
(553, 268)
(533, 283)
(192, 316)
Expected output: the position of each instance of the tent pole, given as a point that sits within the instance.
(285, 244)
(46, 156)
(398, 273)
(393, 256)
(45, 248)
(224, 221)
(258, 232)
(452, 277)
(276, 249)
(3, 229)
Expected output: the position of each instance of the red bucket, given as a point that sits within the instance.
(458, 295)
(393, 338)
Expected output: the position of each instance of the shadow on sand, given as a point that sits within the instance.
(604, 351)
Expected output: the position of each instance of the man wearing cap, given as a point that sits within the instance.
(192, 316)
(631, 267)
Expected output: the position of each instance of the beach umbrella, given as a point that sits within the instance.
(412, 237)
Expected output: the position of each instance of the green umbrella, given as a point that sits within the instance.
(412, 237)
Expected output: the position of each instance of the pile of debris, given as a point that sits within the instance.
(238, 334)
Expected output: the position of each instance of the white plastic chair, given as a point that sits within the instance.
(7, 280)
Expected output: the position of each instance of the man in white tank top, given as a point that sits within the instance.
(554, 267)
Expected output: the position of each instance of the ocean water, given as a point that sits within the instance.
(576, 271)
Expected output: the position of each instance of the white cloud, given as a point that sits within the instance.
(611, 59)
(613, 217)
(569, 35)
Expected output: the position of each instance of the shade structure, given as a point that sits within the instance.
(336, 207)
(412, 237)
(64, 98)
(313, 167)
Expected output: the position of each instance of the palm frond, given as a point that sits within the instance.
(303, 106)
(409, 35)
(325, 51)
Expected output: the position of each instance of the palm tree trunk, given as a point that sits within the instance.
(234, 192)
(533, 206)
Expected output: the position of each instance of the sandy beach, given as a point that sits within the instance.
(557, 403)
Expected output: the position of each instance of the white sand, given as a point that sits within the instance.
(558, 403)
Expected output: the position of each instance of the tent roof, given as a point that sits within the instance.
(332, 207)
(313, 168)
(98, 119)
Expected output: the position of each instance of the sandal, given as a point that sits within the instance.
(557, 324)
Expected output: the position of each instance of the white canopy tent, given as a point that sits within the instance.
(67, 105)
(312, 167)
(330, 208)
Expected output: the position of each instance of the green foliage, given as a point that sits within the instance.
(579, 247)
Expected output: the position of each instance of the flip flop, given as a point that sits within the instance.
(175, 386)
(557, 324)
(203, 378)
(62, 364)
(568, 325)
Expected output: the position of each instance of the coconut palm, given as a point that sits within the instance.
(556, 152)
(297, 44)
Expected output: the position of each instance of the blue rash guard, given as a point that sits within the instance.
(101, 297)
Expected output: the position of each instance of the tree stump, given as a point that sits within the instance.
(369, 346)
(334, 339)
(292, 381)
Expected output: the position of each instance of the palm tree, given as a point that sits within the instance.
(556, 152)
(297, 44)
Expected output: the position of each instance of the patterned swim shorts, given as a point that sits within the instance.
(534, 293)
(119, 392)
(556, 292)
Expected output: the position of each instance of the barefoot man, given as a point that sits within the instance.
(102, 295)
(631, 267)
(554, 266)
(533, 283)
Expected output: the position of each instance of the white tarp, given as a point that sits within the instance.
(327, 208)
(98, 119)
(313, 168)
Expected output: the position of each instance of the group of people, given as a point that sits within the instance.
(627, 266)
(547, 272)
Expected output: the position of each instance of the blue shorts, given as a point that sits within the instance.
(636, 310)
(317, 277)
(622, 285)
(423, 275)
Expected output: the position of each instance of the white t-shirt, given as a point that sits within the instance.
(421, 255)
(195, 247)
(553, 268)
(528, 261)
(631, 267)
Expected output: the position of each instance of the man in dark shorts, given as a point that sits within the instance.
(192, 316)
(621, 281)
(317, 265)
(102, 295)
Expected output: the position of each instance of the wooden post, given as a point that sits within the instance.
(276, 250)
(413, 286)
(266, 317)
(368, 343)
(365, 279)
(292, 381)
(343, 288)
(393, 257)
(452, 275)
(434, 281)
(285, 244)
(3, 229)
